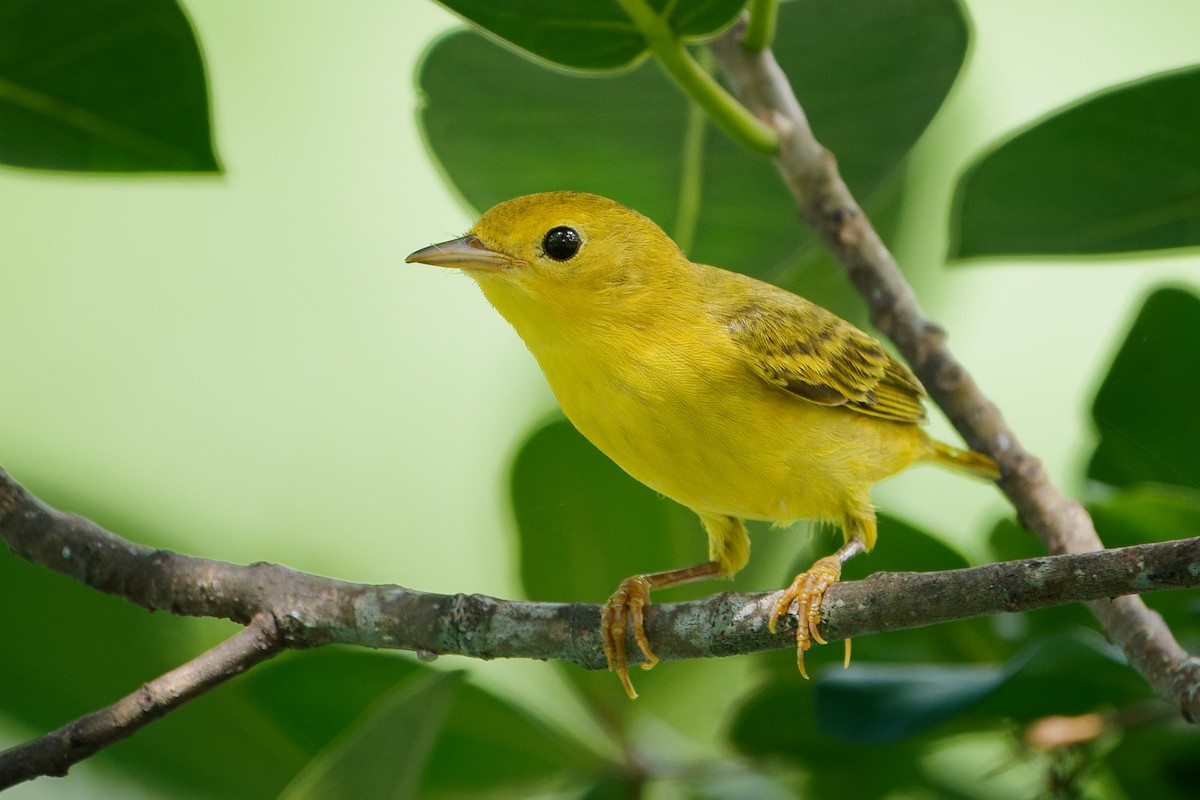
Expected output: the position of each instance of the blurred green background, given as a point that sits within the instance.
(240, 366)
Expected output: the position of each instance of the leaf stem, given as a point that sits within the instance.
(691, 177)
(728, 114)
(760, 31)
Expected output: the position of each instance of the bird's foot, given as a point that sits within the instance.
(622, 611)
(807, 592)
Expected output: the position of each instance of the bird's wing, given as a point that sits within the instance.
(814, 354)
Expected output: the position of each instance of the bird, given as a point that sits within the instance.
(733, 397)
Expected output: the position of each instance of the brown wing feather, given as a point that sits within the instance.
(814, 354)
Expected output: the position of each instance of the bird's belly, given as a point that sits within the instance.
(769, 456)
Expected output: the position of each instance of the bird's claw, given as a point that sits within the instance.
(807, 591)
(623, 610)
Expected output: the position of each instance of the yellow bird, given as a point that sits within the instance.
(729, 395)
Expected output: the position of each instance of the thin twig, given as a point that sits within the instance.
(58, 751)
(826, 203)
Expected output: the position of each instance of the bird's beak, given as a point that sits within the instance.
(465, 253)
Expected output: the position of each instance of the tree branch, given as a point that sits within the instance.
(826, 203)
(283, 608)
(290, 609)
(58, 751)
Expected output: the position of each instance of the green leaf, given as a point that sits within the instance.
(121, 645)
(897, 710)
(585, 525)
(595, 35)
(873, 703)
(501, 126)
(1064, 675)
(778, 721)
(102, 86)
(384, 754)
(1145, 409)
(1069, 673)
(612, 786)
(699, 18)
(1113, 173)
(1147, 513)
(1159, 761)
(903, 547)
(312, 697)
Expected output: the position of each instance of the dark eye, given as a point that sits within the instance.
(561, 243)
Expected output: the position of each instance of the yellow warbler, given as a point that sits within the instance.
(731, 396)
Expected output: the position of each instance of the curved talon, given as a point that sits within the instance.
(625, 608)
(781, 607)
(807, 591)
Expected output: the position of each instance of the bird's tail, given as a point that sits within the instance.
(964, 460)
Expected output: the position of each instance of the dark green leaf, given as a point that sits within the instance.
(1069, 673)
(1145, 409)
(120, 644)
(1147, 513)
(1159, 761)
(778, 721)
(1064, 675)
(903, 547)
(490, 744)
(384, 754)
(585, 525)
(872, 703)
(871, 75)
(314, 696)
(1114, 173)
(501, 126)
(595, 35)
(102, 86)
(1008, 541)
(612, 786)
(700, 17)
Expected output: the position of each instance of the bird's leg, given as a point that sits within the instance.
(625, 610)
(728, 552)
(808, 592)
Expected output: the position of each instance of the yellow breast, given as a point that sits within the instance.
(681, 414)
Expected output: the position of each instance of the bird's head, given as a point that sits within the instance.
(576, 257)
